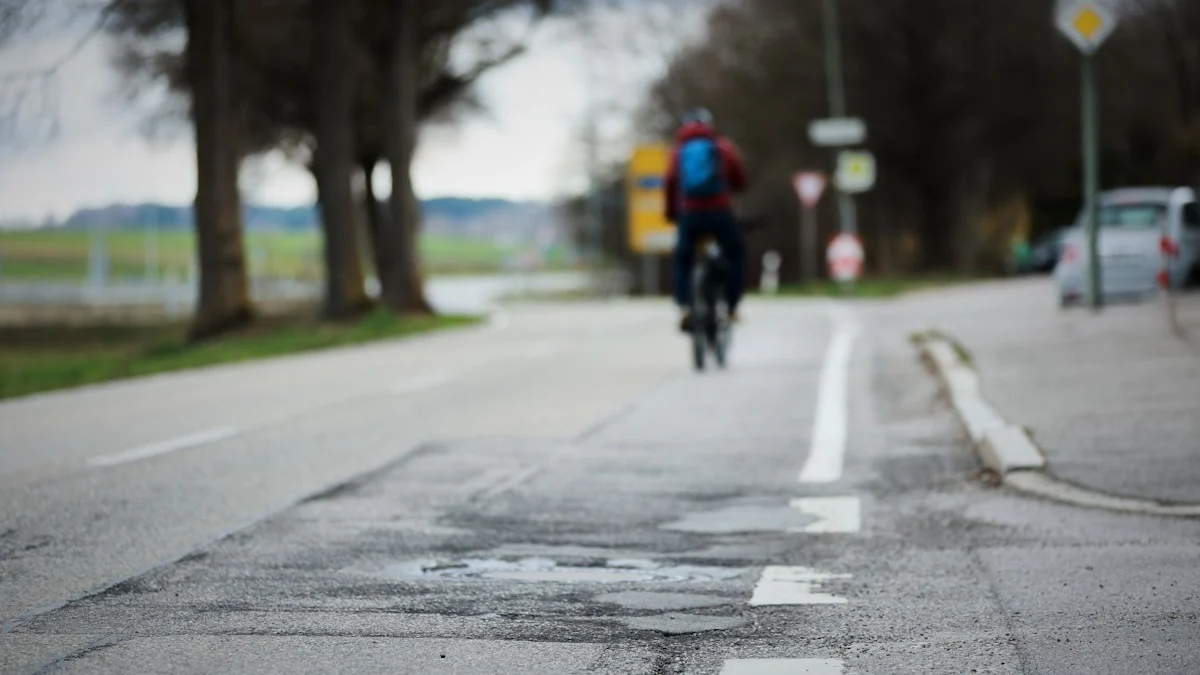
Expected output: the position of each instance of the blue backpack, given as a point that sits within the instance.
(700, 169)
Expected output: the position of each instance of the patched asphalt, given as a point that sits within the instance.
(635, 544)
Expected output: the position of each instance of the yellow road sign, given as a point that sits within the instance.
(648, 230)
(1088, 23)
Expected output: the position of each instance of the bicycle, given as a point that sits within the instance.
(711, 330)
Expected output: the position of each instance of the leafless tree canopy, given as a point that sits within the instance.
(972, 109)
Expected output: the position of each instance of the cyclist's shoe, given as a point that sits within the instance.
(685, 322)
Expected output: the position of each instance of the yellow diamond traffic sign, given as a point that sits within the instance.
(1088, 23)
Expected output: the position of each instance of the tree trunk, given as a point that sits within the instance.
(377, 227)
(224, 298)
(345, 293)
(403, 290)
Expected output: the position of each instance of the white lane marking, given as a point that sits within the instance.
(783, 667)
(420, 383)
(836, 514)
(828, 450)
(513, 481)
(539, 349)
(163, 447)
(781, 585)
(509, 479)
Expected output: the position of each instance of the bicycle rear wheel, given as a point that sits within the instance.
(720, 345)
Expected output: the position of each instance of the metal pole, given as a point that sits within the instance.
(1091, 180)
(808, 244)
(833, 60)
(837, 97)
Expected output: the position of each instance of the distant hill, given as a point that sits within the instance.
(445, 215)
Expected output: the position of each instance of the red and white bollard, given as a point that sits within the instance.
(1170, 251)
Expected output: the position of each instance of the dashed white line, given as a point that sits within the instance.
(782, 585)
(827, 453)
(783, 667)
(164, 447)
(841, 515)
(421, 383)
(509, 480)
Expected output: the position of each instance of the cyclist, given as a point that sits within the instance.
(706, 170)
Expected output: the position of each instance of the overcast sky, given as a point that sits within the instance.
(525, 146)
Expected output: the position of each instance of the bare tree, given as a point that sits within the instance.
(333, 162)
(217, 111)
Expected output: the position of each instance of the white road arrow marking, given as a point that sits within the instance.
(836, 514)
(781, 585)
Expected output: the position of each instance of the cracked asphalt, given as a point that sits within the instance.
(560, 493)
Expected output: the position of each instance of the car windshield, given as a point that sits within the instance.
(1133, 216)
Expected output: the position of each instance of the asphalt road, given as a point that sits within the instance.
(559, 493)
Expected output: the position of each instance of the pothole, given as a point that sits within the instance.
(534, 570)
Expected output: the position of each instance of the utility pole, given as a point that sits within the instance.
(837, 97)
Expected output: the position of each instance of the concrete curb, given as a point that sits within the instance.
(1002, 447)
(1008, 449)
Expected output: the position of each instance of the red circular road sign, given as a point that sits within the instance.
(845, 257)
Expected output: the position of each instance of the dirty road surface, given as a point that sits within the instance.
(560, 493)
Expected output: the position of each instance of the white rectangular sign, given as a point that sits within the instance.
(837, 132)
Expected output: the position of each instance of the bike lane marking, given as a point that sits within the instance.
(827, 452)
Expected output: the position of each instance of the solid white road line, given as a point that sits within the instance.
(836, 514)
(163, 447)
(783, 667)
(826, 455)
(421, 383)
(781, 585)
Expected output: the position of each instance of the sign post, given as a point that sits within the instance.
(1088, 24)
(649, 234)
(810, 185)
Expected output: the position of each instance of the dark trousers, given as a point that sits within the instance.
(723, 227)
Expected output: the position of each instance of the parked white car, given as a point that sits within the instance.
(1133, 224)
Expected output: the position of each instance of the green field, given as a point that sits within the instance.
(53, 356)
(62, 255)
